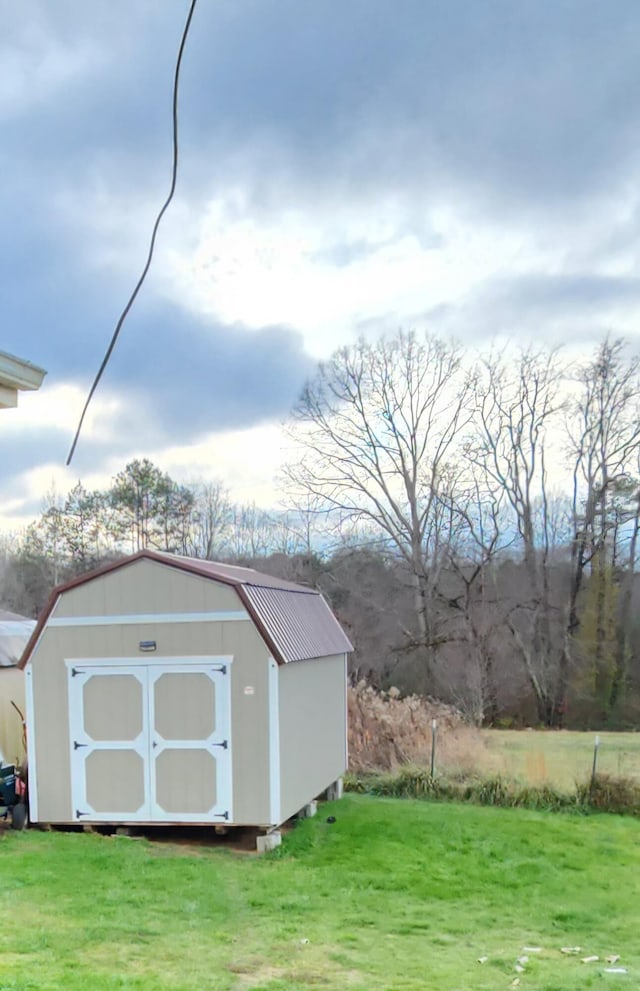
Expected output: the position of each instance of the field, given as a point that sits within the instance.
(393, 895)
(559, 758)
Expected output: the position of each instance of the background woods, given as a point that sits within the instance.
(473, 523)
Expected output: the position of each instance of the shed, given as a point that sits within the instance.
(15, 631)
(165, 689)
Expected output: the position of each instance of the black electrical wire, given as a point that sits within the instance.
(152, 243)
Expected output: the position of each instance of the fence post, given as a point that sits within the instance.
(596, 747)
(433, 747)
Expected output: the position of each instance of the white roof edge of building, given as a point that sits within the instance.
(17, 373)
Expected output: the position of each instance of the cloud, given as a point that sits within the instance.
(554, 308)
(468, 167)
(194, 376)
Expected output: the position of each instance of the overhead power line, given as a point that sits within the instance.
(154, 233)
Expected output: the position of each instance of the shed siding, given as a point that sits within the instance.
(12, 689)
(146, 588)
(313, 720)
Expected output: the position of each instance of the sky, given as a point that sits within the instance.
(346, 169)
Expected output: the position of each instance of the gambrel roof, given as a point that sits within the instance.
(294, 621)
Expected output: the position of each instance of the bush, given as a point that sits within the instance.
(608, 794)
(388, 731)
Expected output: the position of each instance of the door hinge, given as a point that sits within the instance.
(79, 814)
(76, 745)
(217, 815)
(221, 669)
(75, 671)
(224, 744)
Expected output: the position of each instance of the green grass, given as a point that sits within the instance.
(559, 758)
(397, 894)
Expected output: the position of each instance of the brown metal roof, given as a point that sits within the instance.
(300, 625)
(295, 621)
(233, 574)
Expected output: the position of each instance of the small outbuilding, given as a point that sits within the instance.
(164, 689)
(15, 631)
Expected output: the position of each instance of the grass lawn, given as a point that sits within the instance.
(560, 758)
(394, 895)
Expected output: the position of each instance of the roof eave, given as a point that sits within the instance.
(16, 373)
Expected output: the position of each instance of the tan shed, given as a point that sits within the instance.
(163, 689)
(14, 635)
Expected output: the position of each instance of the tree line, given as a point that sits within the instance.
(472, 519)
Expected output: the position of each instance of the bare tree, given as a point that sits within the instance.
(209, 531)
(477, 608)
(604, 431)
(517, 406)
(251, 532)
(376, 434)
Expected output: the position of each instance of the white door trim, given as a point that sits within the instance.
(148, 660)
(133, 619)
(31, 744)
(142, 668)
(275, 803)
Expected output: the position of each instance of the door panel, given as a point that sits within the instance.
(116, 779)
(184, 705)
(190, 746)
(186, 782)
(113, 707)
(109, 743)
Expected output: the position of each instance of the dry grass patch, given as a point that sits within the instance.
(387, 731)
(557, 757)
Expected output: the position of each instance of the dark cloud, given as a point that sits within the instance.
(495, 100)
(195, 377)
(176, 381)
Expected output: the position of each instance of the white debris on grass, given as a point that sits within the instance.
(570, 949)
(515, 982)
(482, 959)
(523, 959)
(592, 959)
(615, 970)
(613, 958)
(518, 969)
(532, 949)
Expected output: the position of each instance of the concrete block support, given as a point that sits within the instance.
(309, 811)
(268, 842)
(335, 791)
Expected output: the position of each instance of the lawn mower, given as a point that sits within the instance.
(12, 795)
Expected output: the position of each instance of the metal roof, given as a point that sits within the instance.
(233, 574)
(14, 635)
(300, 625)
(294, 620)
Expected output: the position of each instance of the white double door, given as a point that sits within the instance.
(150, 742)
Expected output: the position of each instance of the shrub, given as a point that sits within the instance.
(608, 793)
(388, 731)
